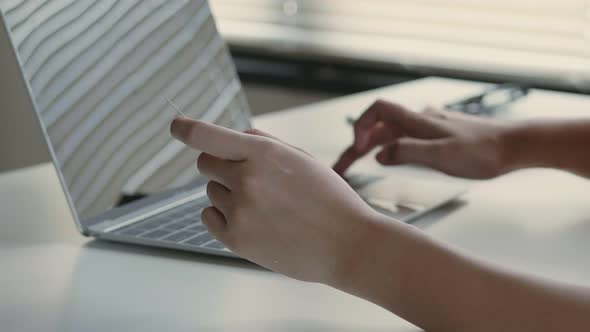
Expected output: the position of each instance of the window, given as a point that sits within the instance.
(541, 41)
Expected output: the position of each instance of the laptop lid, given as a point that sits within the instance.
(100, 72)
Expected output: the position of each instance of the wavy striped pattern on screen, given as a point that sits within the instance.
(100, 72)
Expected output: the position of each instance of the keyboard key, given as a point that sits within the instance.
(177, 237)
(200, 240)
(155, 234)
(131, 231)
(196, 228)
(143, 227)
(139, 224)
(174, 226)
(215, 245)
(192, 214)
(186, 222)
(151, 223)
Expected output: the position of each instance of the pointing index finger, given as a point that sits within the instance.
(408, 122)
(210, 138)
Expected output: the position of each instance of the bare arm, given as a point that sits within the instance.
(440, 288)
(468, 146)
(562, 144)
(280, 208)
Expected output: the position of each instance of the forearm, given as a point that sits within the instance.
(562, 144)
(441, 289)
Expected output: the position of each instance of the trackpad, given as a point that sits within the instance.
(405, 198)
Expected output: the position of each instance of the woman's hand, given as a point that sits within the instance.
(278, 207)
(275, 205)
(453, 143)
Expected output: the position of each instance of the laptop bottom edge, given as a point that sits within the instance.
(163, 244)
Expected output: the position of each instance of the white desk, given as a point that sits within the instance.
(53, 279)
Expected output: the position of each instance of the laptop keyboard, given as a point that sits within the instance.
(179, 225)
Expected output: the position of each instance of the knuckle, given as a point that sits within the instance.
(380, 103)
(207, 213)
(266, 146)
(248, 183)
(387, 111)
(374, 110)
(253, 131)
(402, 113)
(201, 161)
(238, 214)
(231, 241)
(210, 188)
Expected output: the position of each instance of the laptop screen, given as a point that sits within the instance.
(100, 73)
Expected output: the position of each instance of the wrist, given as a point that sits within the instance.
(378, 249)
(521, 142)
(349, 251)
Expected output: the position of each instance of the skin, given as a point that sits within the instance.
(467, 146)
(278, 207)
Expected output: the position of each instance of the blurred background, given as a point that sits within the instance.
(294, 52)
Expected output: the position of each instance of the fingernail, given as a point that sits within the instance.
(385, 155)
(174, 127)
(178, 128)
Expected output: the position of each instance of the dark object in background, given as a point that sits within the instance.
(126, 198)
(311, 74)
(490, 100)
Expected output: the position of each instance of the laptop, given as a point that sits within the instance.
(97, 75)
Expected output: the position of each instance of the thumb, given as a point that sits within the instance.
(409, 150)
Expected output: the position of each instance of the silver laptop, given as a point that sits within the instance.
(97, 74)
